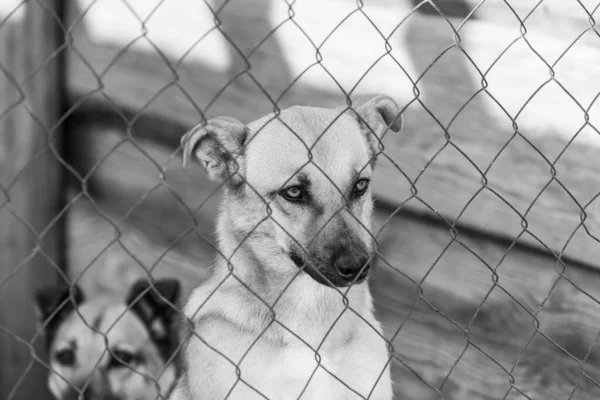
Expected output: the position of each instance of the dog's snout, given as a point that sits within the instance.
(350, 265)
(84, 390)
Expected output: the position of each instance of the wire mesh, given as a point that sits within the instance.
(95, 180)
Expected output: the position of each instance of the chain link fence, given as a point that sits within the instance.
(102, 229)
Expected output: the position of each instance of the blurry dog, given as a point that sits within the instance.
(140, 333)
(287, 313)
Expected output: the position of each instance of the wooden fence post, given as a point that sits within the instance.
(30, 184)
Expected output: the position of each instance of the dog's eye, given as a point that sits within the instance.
(292, 193)
(361, 186)
(65, 357)
(122, 358)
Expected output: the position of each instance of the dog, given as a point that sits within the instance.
(109, 348)
(287, 312)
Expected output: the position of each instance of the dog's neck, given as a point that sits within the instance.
(253, 264)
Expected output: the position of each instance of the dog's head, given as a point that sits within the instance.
(110, 348)
(299, 183)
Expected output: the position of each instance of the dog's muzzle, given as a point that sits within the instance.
(344, 268)
(87, 394)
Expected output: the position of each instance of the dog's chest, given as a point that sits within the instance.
(348, 372)
(314, 352)
(350, 358)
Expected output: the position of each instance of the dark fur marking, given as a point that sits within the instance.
(56, 301)
(324, 258)
(347, 339)
(98, 320)
(52, 328)
(297, 259)
(317, 209)
(151, 309)
(319, 275)
(235, 180)
(303, 180)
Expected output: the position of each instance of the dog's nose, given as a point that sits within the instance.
(349, 266)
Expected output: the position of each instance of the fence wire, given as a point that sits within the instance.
(65, 303)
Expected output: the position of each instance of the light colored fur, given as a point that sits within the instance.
(123, 330)
(290, 336)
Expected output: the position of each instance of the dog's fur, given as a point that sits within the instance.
(287, 307)
(140, 332)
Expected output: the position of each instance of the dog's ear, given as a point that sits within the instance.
(376, 115)
(153, 302)
(218, 144)
(53, 304)
(154, 306)
(55, 301)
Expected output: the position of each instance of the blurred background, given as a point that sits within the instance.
(488, 218)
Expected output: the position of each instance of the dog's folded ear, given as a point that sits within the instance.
(53, 304)
(218, 145)
(154, 305)
(376, 115)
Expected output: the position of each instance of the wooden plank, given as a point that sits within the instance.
(122, 66)
(551, 16)
(457, 308)
(499, 334)
(30, 183)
